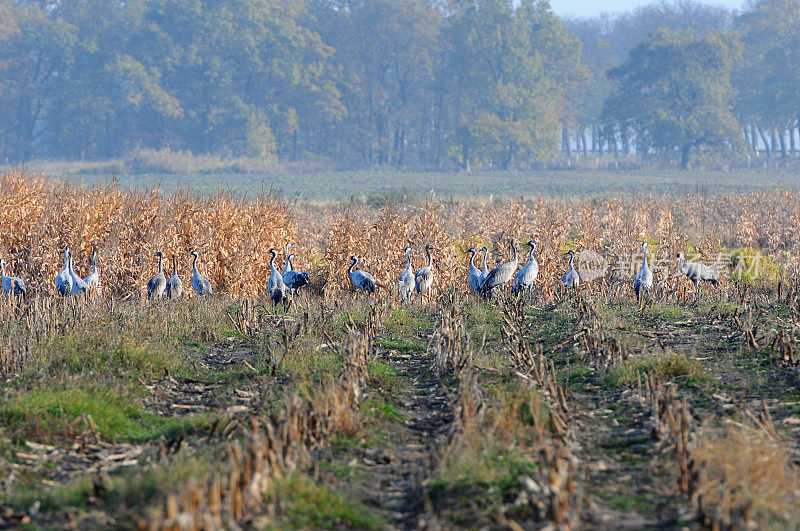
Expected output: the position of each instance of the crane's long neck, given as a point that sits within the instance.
(289, 262)
(3, 268)
(160, 268)
(408, 259)
(571, 259)
(174, 265)
(514, 249)
(472, 258)
(66, 261)
(71, 264)
(352, 265)
(94, 264)
(272, 263)
(644, 260)
(485, 255)
(530, 255)
(194, 264)
(430, 258)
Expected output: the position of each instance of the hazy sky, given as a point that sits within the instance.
(595, 7)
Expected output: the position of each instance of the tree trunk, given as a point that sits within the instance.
(765, 140)
(782, 142)
(792, 143)
(685, 152)
(626, 146)
(748, 136)
(612, 141)
(598, 142)
(583, 143)
(465, 156)
(565, 141)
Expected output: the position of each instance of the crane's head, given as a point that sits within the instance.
(193, 253)
(273, 252)
(532, 245)
(472, 250)
(354, 259)
(158, 254)
(484, 249)
(570, 253)
(680, 256)
(290, 257)
(408, 250)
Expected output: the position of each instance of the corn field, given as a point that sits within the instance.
(562, 408)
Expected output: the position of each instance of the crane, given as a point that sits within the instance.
(63, 280)
(13, 285)
(474, 272)
(174, 285)
(697, 272)
(571, 278)
(361, 279)
(275, 284)
(526, 276)
(406, 282)
(643, 281)
(93, 280)
(500, 274)
(157, 284)
(200, 285)
(424, 277)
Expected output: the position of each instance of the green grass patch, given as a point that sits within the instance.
(383, 375)
(102, 353)
(669, 366)
(125, 493)
(53, 413)
(381, 409)
(308, 505)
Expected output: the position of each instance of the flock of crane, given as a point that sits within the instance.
(486, 283)
(282, 284)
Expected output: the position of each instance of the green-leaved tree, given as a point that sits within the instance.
(675, 93)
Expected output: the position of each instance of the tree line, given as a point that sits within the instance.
(403, 83)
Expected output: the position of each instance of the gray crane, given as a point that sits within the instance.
(93, 280)
(643, 281)
(424, 277)
(485, 271)
(571, 278)
(293, 279)
(157, 284)
(288, 266)
(64, 279)
(697, 272)
(174, 285)
(500, 275)
(526, 276)
(200, 285)
(474, 272)
(406, 282)
(275, 284)
(12, 284)
(361, 279)
(79, 287)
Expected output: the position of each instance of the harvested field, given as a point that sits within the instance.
(567, 408)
